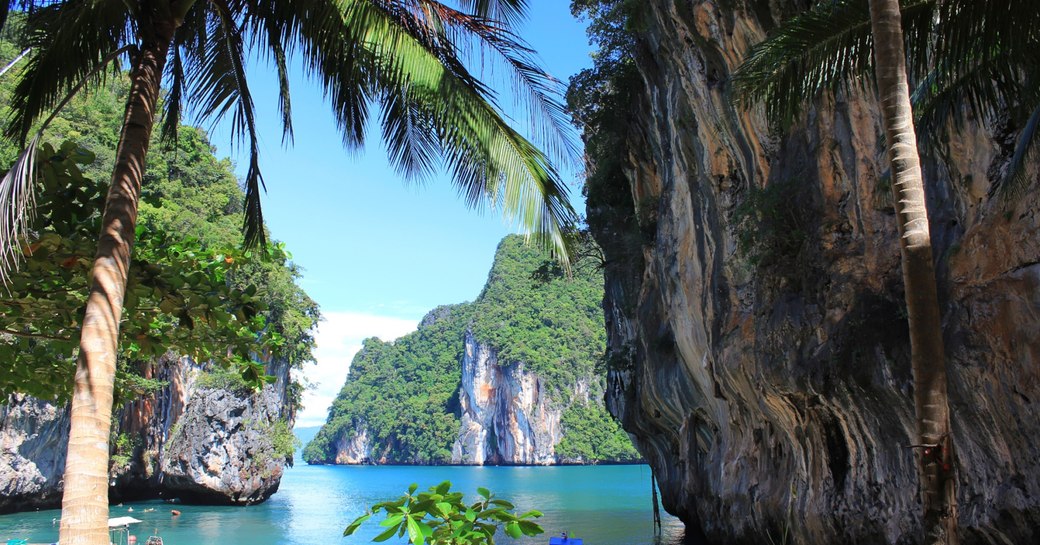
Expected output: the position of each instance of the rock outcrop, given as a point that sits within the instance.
(771, 393)
(199, 443)
(507, 418)
(222, 451)
(30, 467)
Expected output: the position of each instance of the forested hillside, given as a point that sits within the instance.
(404, 396)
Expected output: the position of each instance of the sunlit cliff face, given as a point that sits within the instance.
(774, 387)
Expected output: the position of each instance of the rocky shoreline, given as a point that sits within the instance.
(192, 440)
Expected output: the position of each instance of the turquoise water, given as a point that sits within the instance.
(605, 505)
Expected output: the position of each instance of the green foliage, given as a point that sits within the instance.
(404, 394)
(591, 435)
(220, 378)
(177, 296)
(555, 328)
(602, 100)
(123, 449)
(190, 291)
(963, 57)
(772, 228)
(278, 444)
(282, 439)
(441, 517)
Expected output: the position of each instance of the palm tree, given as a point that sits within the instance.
(927, 359)
(403, 55)
(964, 54)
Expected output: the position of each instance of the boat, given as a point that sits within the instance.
(119, 530)
(564, 539)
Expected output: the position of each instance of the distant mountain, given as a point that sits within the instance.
(510, 378)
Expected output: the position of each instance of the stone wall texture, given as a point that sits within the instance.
(770, 387)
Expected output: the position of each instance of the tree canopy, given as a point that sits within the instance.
(192, 290)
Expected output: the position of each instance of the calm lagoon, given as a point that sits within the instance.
(604, 505)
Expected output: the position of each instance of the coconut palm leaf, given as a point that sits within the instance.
(826, 48)
(69, 40)
(982, 88)
(510, 12)
(219, 86)
(491, 163)
(17, 197)
(538, 89)
(17, 209)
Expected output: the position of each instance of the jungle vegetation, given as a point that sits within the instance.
(405, 394)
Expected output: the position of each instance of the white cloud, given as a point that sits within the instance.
(338, 339)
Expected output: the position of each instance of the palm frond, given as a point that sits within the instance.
(491, 163)
(820, 49)
(540, 94)
(826, 48)
(173, 103)
(269, 38)
(69, 40)
(218, 86)
(968, 32)
(411, 141)
(284, 99)
(332, 54)
(17, 198)
(945, 95)
(510, 12)
(188, 41)
(17, 209)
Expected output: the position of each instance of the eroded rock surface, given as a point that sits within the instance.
(222, 452)
(30, 467)
(769, 385)
(507, 418)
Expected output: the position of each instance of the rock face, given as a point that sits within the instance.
(767, 378)
(506, 415)
(200, 444)
(30, 467)
(220, 453)
(355, 448)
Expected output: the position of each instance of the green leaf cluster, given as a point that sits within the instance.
(191, 289)
(441, 517)
(591, 434)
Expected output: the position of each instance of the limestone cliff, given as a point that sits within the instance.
(761, 359)
(507, 416)
(191, 440)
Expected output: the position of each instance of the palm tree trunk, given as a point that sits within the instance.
(935, 447)
(84, 516)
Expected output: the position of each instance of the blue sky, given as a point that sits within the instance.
(377, 252)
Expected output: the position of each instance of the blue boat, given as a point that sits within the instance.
(563, 539)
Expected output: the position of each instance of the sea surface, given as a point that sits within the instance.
(604, 505)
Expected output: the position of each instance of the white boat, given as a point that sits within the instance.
(119, 530)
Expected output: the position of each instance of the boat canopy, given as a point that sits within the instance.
(121, 521)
